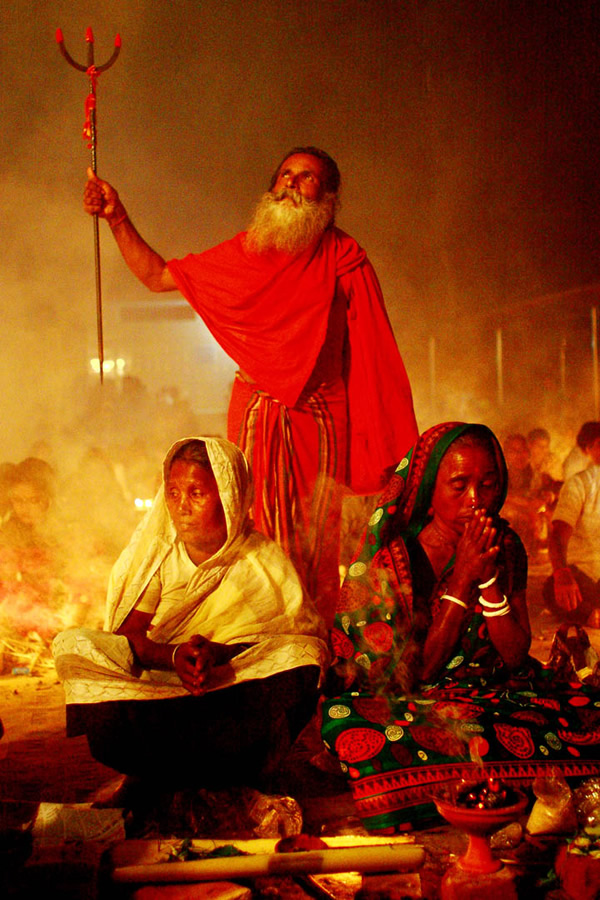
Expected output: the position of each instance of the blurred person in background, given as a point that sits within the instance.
(544, 476)
(578, 458)
(545, 469)
(529, 499)
(573, 590)
(99, 514)
(32, 554)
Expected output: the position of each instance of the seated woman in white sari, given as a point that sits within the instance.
(212, 654)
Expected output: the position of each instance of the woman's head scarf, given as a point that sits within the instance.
(156, 533)
(372, 628)
(232, 474)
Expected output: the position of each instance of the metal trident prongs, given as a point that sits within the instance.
(89, 135)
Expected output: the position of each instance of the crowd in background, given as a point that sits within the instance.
(70, 506)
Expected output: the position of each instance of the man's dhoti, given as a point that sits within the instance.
(298, 457)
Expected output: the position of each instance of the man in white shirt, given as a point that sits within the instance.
(578, 458)
(573, 589)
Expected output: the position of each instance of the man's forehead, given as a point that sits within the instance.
(304, 161)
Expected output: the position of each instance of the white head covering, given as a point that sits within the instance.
(234, 481)
(156, 534)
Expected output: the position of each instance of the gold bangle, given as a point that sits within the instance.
(175, 649)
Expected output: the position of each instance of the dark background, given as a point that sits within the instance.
(467, 136)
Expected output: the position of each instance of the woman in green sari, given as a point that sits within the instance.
(433, 677)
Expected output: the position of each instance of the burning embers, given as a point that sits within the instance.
(490, 793)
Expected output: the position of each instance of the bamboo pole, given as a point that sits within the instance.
(499, 369)
(563, 366)
(432, 373)
(594, 323)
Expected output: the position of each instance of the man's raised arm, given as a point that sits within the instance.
(100, 198)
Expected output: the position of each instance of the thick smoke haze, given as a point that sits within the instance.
(466, 133)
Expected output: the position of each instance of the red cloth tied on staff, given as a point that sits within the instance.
(269, 312)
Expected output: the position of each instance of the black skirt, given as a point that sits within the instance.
(229, 736)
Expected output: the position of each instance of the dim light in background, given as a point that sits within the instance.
(117, 366)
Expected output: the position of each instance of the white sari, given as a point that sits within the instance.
(247, 592)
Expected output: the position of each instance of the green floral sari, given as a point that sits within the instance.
(397, 739)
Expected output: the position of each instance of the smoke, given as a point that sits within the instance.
(466, 134)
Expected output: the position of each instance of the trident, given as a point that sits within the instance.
(89, 135)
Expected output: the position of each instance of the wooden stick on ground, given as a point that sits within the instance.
(384, 858)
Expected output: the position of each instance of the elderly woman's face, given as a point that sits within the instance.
(467, 479)
(194, 504)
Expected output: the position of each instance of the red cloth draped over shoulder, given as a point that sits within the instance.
(269, 313)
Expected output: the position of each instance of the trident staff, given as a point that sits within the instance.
(89, 135)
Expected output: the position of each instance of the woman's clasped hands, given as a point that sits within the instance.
(193, 661)
(477, 550)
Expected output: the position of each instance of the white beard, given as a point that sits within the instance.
(289, 227)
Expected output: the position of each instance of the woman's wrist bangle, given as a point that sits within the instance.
(175, 649)
(490, 604)
(501, 609)
(118, 222)
(498, 612)
(454, 600)
(489, 583)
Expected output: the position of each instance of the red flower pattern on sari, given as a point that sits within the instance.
(373, 709)
(438, 739)
(341, 644)
(516, 739)
(379, 636)
(357, 744)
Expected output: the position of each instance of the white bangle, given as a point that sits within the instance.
(454, 600)
(490, 604)
(502, 610)
(489, 583)
(176, 648)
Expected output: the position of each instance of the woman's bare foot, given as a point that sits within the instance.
(123, 792)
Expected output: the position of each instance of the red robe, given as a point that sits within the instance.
(269, 313)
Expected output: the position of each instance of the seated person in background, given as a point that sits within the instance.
(212, 653)
(529, 498)
(573, 590)
(433, 675)
(94, 486)
(532, 491)
(544, 468)
(521, 509)
(32, 558)
(578, 458)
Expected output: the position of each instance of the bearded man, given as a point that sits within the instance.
(321, 402)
